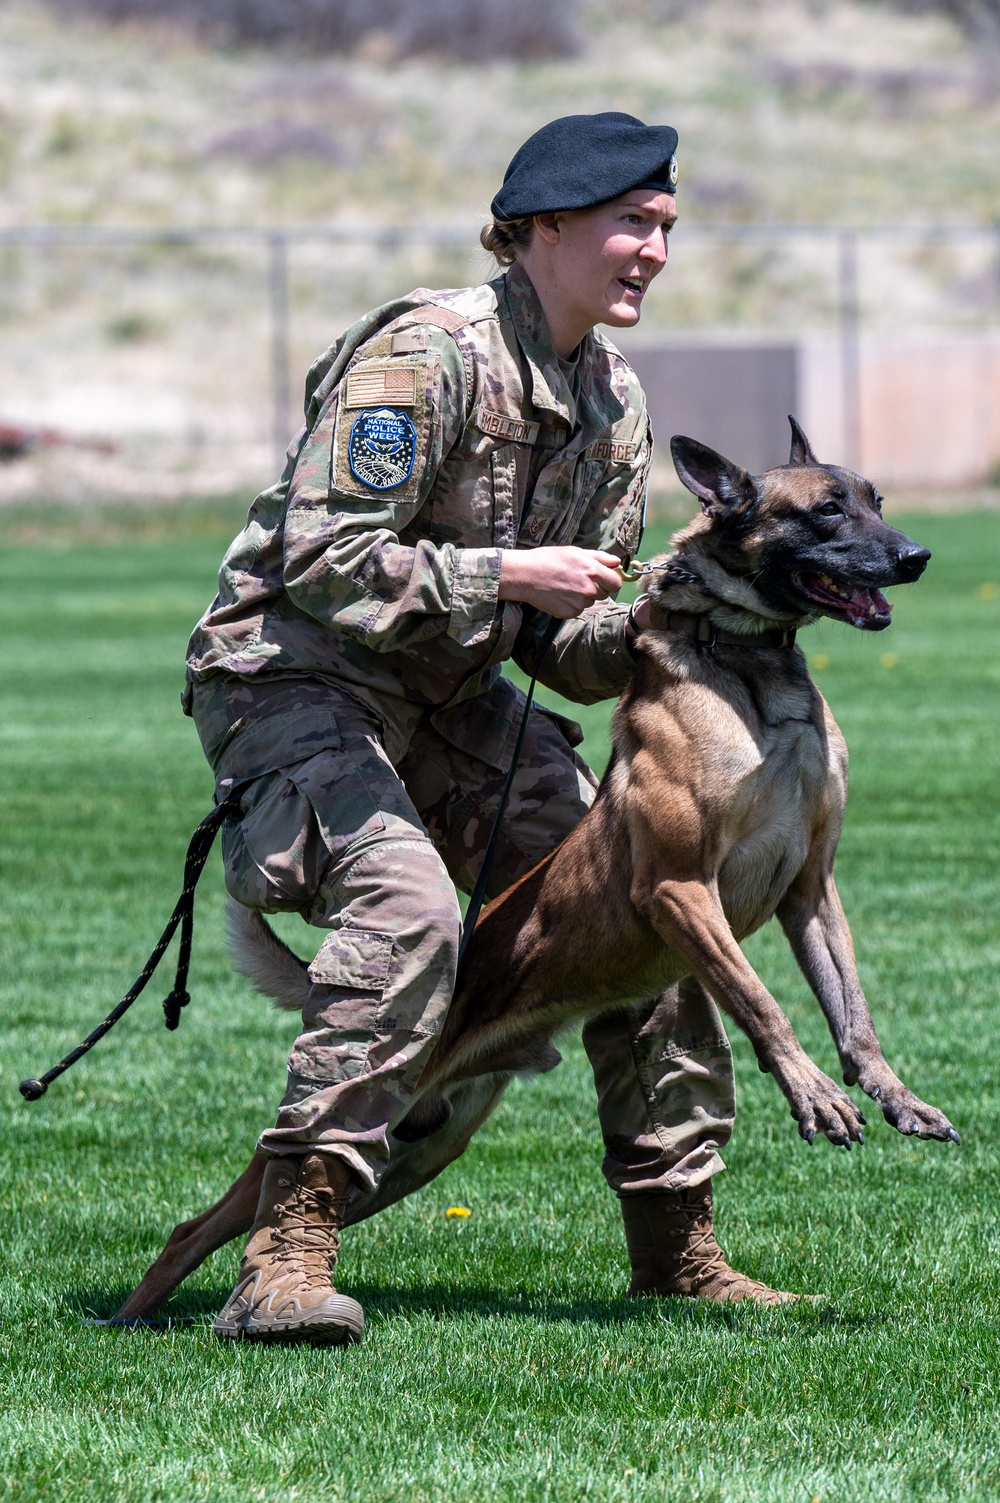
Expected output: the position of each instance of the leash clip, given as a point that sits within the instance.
(708, 643)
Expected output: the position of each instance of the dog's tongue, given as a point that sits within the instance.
(868, 608)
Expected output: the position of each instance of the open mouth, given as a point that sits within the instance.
(862, 606)
(634, 285)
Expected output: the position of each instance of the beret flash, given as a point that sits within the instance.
(579, 161)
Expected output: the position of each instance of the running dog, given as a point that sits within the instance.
(720, 809)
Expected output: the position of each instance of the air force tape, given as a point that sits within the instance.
(382, 447)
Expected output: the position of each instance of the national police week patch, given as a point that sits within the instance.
(381, 448)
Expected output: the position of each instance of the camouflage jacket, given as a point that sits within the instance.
(440, 430)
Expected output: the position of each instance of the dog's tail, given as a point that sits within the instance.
(263, 958)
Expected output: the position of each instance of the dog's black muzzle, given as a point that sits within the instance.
(911, 562)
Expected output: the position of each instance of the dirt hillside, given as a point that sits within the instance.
(786, 111)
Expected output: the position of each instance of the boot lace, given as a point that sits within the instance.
(699, 1257)
(306, 1233)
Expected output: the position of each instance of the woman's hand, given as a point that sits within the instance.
(560, 581)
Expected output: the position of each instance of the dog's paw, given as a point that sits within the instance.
(820, 1106)
(913, 1117)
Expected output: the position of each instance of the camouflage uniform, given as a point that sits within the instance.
(348, 674)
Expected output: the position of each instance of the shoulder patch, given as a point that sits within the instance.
(444, 318)
(499, 425)
(409, 341)
(383, 383)
(608, 449)
(382, 447)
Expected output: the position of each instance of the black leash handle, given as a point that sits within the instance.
(194, 862)
(486, 870)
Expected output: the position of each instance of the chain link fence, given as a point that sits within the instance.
(184, 349)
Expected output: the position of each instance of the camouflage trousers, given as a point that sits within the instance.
(370, 847)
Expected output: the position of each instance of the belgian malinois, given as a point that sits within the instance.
(721, 808)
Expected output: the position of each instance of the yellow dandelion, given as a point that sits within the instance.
(988, 591)
(889, 659)
(819, 660)
(458, 1211)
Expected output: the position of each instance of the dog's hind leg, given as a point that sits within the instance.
(411, 1165)
(191, 1243)
(416, 1162)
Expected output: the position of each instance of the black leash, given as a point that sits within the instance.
(183, 915)
(194, 862)
(486, 870)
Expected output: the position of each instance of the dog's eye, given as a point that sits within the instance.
(877, 499)
(828, 509)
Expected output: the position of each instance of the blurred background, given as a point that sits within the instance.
(199, 195)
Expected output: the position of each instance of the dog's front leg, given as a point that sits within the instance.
(813, 918)
(689, 916)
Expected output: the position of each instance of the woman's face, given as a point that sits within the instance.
(602, 260)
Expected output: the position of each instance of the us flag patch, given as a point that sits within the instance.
(386, 383)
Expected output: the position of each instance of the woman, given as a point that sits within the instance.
(473, 464)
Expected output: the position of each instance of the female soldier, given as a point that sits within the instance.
(473, 463)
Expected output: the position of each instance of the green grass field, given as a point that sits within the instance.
(501, 1360)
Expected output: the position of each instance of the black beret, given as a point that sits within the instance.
(582, 160)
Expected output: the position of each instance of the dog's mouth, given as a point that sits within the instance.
(862, 606)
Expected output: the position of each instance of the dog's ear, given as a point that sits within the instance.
(717, 482)
(801, 447)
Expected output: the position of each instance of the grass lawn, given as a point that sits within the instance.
(501, 1360)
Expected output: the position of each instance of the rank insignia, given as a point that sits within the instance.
(382, 447)
(672, 172)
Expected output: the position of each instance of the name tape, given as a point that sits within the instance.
(514, 430)
(606, 448)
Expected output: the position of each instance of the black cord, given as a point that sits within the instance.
(486, 870)
(198, 851)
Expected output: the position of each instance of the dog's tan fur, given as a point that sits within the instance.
(721, 808)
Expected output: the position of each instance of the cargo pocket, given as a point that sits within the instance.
(344, 1010)
(571, 730)
(295, 822)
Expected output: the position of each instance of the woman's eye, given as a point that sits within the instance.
(829, 509)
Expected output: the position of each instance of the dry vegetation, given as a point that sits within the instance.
(526, 29)
(788, 110)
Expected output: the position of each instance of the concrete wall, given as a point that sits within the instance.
(733, 397)
(928, 410)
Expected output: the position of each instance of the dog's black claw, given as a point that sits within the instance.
(861, 1139)
(809, 1136)
(862, 1119)
(954, 1136)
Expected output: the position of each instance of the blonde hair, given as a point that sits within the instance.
(505, 237)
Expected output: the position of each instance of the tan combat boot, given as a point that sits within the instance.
(672, 1249)
(284, 1291)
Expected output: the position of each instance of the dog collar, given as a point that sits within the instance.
(703, 634)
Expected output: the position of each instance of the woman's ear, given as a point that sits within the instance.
(547, 226)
